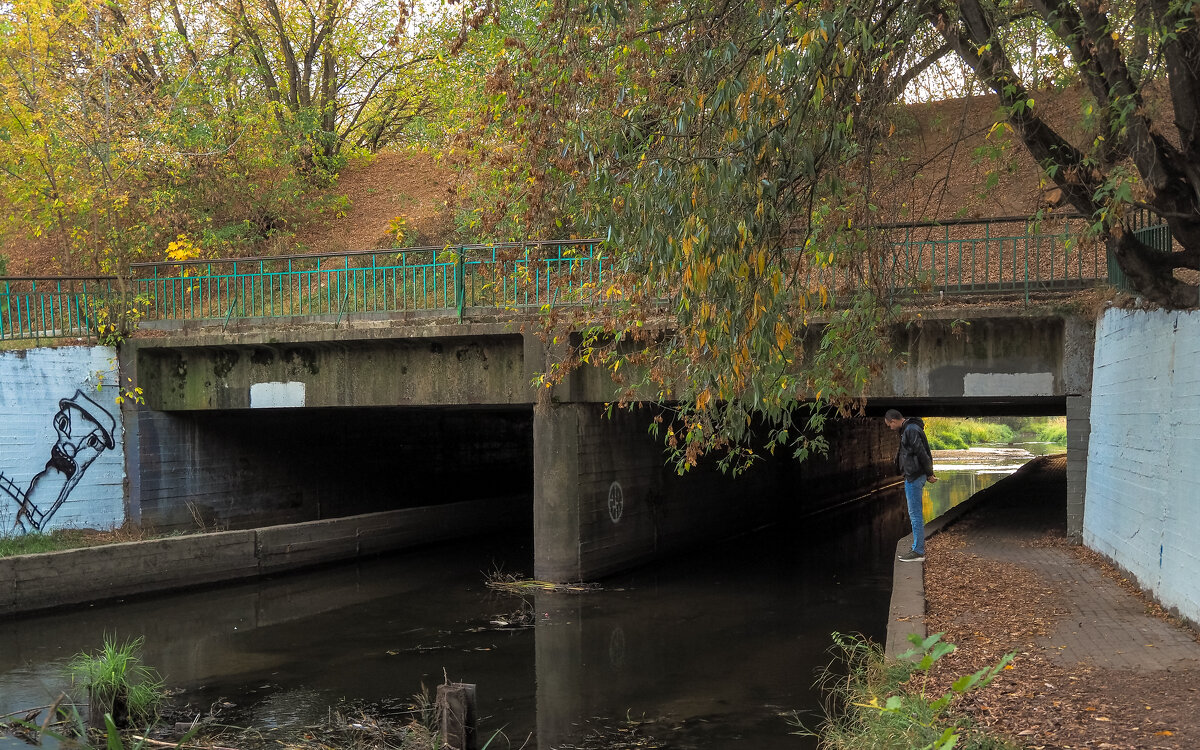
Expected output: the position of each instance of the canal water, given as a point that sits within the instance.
(712, 649)
(962, 473)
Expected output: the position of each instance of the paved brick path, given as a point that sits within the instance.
(1105, 625)
(1098, 666)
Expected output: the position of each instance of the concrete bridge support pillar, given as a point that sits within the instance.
(1079, 344)
(605, 500)
(596, 492)
(1079, 428)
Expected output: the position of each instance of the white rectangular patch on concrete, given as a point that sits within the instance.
(1008, 384)
(288, 395)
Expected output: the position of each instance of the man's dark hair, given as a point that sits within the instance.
(893, 414)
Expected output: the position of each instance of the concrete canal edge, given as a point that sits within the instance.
(30, 583)
(906, 614)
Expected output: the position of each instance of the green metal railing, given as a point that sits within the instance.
(503, 276)
(999, 255)
(1022, 256)
(67, 306)
(1152, 233)
(969, 256)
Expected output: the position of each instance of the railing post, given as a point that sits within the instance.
(1027, 264)
(987, 254)
(157, 298)
(460, 285)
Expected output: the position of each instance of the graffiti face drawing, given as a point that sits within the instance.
(83, 430)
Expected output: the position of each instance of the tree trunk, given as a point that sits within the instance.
(1151, 271)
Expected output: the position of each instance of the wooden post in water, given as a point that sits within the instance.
(459, 717)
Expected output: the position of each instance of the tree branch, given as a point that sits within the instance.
(978, 47)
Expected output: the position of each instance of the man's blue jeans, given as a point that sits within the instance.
(914, 491)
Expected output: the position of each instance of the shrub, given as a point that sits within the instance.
(960, 434)
(879, 703)
(1051, 431)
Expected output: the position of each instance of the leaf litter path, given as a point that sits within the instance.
(1098, 664)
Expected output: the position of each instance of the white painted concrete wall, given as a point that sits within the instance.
(35, 386)
(1142, 507)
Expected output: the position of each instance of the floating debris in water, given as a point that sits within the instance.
(407, 725)
(513, 583)
(599, 734)
(419, 649)
(520, 619)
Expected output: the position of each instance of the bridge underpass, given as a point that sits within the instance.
(261, 425)
(236, 469)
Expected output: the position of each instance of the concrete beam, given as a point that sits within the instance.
(983, 358)
(948, 353)
(396, 372)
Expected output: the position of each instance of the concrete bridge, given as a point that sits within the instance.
(252, 422)
(307, 387)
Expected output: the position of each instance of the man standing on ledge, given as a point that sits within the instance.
(915, 462)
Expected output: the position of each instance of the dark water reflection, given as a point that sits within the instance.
(714, 647)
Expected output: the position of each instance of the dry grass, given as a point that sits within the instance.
(64, 539)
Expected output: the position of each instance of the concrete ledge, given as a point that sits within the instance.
(51, 580)
(56, 579)
(315, 542)
(8, 585)
(906, 614)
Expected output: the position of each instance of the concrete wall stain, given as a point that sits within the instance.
(223, 362)
(302, 360)
(385, 372)
(472, 351)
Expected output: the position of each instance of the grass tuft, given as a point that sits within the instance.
(1052, 431)
(116, 682)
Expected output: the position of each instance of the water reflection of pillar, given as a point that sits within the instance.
(560, 668)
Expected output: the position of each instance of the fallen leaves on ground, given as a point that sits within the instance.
(989, 607)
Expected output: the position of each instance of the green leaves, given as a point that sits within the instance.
(930, 650)
(883, 703)
(126, 125)
(716, 148)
